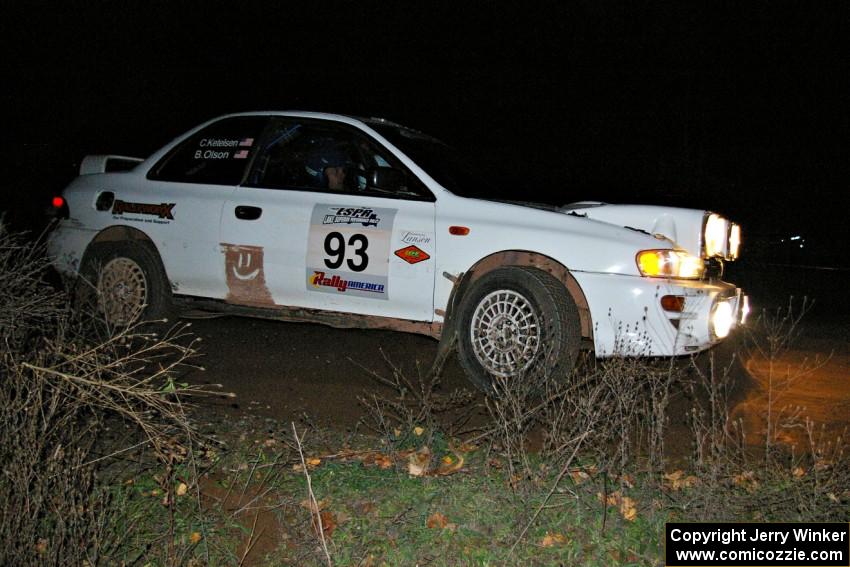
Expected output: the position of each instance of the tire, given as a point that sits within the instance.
(125, 283)
(517, 322)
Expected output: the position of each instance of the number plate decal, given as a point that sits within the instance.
(348, 250)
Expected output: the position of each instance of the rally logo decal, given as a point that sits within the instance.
(319, 279)
(163, 210)
(348, 215)
(412, 254)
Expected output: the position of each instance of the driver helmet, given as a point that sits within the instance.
(320, 159)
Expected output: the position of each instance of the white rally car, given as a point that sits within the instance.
(365, 223)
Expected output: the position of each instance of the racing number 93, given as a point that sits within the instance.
(335, 249)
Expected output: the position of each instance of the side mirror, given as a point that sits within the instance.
(387, 179)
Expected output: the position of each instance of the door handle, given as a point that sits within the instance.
(244, 212)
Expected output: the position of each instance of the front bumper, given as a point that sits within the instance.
(628, 317)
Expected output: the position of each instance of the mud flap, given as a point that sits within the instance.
(448, 338)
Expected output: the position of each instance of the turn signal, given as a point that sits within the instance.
(673, 303)
(459, 230)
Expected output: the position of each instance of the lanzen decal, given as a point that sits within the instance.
(412, 254)
(319, 279)
(410, 237)
(163, 210)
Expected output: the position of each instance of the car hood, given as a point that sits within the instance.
(684, 227)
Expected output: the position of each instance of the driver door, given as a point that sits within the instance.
(289, 239)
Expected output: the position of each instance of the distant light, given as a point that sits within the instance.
(801, 245)
(795, 238)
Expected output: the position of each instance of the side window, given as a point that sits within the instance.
(216, 155)
(328, 157)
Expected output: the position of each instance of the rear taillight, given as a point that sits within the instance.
(59, 207)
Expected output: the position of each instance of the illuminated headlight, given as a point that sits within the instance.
(722, 319)
(669, 264)
(716, 232)
(734, 242)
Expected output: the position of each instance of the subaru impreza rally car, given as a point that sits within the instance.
(365, 223)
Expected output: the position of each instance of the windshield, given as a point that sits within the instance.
(453, 170)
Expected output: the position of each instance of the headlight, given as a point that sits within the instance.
(669, 264)
(716, 232)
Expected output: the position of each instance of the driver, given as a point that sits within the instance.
(327, 167)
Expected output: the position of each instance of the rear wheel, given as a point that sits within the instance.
(126, 283)
(517, 323)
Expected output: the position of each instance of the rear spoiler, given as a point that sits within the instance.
(107, 164)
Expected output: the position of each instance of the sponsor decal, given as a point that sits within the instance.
(320, 279)
(410, 237)
(412, 254)
(353, 245)
(162, 210)
(349, 215)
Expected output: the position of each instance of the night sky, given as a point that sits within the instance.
(745, 111)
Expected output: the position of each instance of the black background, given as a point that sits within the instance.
(742, 109)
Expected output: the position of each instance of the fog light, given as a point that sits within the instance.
(722, 319)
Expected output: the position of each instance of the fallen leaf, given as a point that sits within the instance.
(312, 505)
(270, 442)
(328, 523)
(195, 537)
(418, 431)
(628, 509)
(437, 520)
(383, 461)
(41, 546)
(551, 540)
(397, 432)
(314, 462)
(613, 499)
(833, 497)
(798, 472)
(418, 462)
(578, 476)
(677, 480)
(181, 489)
(449, 465)
(746, 480)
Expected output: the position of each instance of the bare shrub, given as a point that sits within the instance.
(415, 402)
(58, 394)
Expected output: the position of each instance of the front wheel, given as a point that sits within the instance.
(517, 323)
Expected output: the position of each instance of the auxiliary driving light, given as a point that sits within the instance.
(722, 319)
